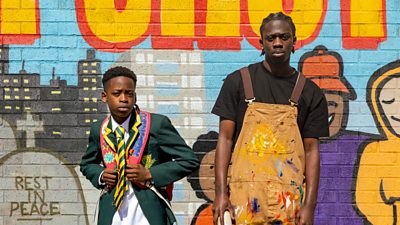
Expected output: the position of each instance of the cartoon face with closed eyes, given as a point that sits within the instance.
(389, 103)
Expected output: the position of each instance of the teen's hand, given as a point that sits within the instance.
(305, 216)
(109, 177)
(137, 173)
(220, 205)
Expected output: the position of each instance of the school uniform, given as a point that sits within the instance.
(166, 155)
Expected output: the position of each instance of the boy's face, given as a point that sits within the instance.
(120, 96)
(277, 41)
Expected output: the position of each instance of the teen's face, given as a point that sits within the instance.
(277, 41)
(335, 112)
(120, 97)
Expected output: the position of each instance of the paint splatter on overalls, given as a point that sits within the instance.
(267, 174)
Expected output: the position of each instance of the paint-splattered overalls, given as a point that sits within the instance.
(266, 184)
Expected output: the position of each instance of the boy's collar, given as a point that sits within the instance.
(125, 124)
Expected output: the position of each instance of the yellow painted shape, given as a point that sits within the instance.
(370, 175)
(366, 18)
(177, 18)
(379, 163)
(18, 17)
(264, 141)
(306, 14)
(56, 92)
(223, 18)
(110, 25)
(376, 110)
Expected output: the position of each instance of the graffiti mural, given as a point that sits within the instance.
(171, 82)
(48, 116)
(377, 192)
(203, 180)
(53, 53)
(40, 187)
(339, 151)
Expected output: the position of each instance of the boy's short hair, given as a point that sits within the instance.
(118, 71)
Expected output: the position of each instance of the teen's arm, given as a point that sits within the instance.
(311, 149)
(222, 159)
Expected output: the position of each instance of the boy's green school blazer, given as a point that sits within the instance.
(163, 145)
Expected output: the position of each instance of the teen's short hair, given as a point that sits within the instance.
(118, 71)
(278, 16)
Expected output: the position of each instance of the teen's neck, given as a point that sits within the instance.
(279, 69)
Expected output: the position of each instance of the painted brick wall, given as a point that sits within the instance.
(53, 54)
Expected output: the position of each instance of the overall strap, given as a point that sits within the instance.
(298, 88)
(247, 85)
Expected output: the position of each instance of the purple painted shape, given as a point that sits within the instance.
(334, 195)
(325, 220)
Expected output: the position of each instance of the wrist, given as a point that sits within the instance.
(101, 180)
(149, 183)
(149, 179)
(310, 205)
(221, 190)
(148, 175)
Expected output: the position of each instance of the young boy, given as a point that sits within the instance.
(129, 153)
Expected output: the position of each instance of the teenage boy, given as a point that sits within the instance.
(275, 130)
(132, 152)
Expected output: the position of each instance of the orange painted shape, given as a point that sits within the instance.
(324, 71)
(326, 65)
(205, 217)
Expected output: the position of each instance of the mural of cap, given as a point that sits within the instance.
(325, 68)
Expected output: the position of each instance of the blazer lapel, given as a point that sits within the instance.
(131, 131)
(109, 137)
(132, 122)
